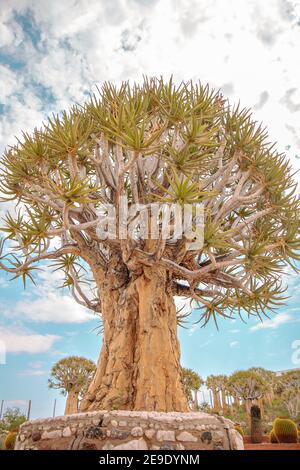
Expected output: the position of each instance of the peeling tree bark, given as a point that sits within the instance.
(139, 364)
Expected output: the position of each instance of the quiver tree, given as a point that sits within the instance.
(219, 384)
(192, 383)
(288, 387)
(154, 143)
(213, 385)
(270, 381)
(249, 386)
(291, 401)
(72, 375)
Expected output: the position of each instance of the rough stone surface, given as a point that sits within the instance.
(165, 436)
(236, 439)
(109, 430)
(150, 433)
(67, 432)
(185, 436)
(136, 444)
(137, 431)
(51, 434)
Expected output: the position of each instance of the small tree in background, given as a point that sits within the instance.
(270, 380)
(192, 383)
(219, 386)
(249, 386)
(154, 142)
(72, 375)
(12, 419)
(212, 384)
(291, 401)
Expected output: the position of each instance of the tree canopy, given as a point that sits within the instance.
(248, 385)
(192, 382)
(12, 419)
(155, 142)
(72, 373)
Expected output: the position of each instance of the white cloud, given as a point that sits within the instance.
(3, 283)
(48, 303)
(32, 373)
(17, 340)
(206, 39)
(234, 344)
(53, 307)
(275, 322)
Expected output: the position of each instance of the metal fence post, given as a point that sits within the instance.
(29, 410)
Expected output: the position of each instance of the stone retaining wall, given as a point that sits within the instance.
(122, 430)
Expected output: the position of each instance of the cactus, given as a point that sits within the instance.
(239, 428)
(272, 437)
(2, 441)
(256, 425)
(285, 430)
(10, 440)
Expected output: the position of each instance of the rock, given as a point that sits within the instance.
(87, 446)
(51, 434)
(206, 437)
(95, 432)
(180, 446)
(185, 436)
(22, 438)
(154, 447)
(36, 436)
(165, 435)
(149, 433)
(137, 431)
(236, 440)
(114, 423)
(118, 434)
(67, 432)
(122, 423)
(136, 444)
(167, 447)
(108, 446)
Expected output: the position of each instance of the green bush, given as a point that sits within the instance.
(10, 440)
(285, 430)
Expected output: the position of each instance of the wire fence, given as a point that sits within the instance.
(34, 409)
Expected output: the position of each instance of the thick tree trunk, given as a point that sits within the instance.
(138, 368)
(71, 403)
(196, 404)
(216, 400)
(224, 404)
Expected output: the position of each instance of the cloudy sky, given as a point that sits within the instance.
(52, 54)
